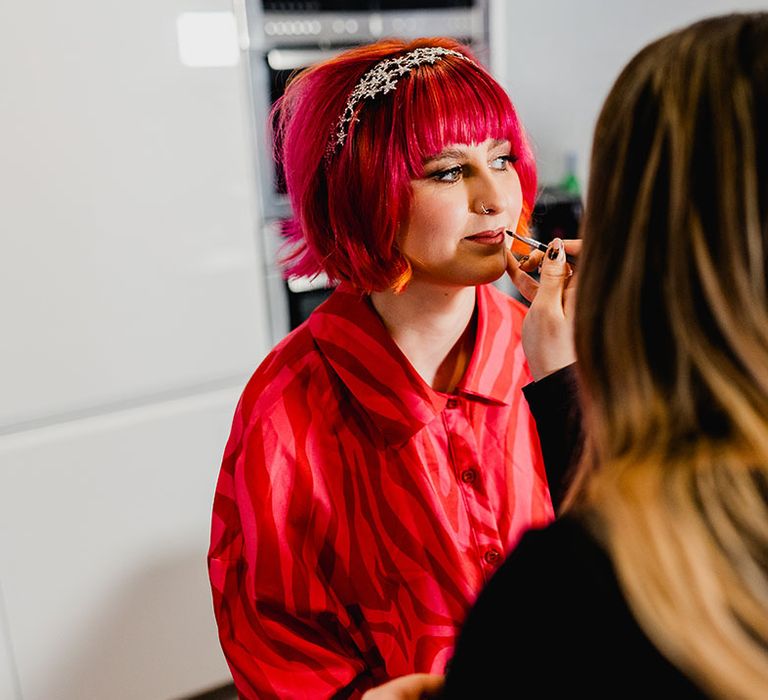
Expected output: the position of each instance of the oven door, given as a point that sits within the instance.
(278, 66)
(291, 300)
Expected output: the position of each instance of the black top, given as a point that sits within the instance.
(553, 622)
(554, 404)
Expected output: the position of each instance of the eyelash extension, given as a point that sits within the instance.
(510, 158)
(442, 173)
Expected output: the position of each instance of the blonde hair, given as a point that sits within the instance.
(672, 340)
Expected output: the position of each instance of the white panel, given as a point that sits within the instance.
(8, 686)
(104, 527)
(127, 210)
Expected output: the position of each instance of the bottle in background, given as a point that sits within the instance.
(570, 182)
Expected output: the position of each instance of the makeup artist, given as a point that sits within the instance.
(382, 459)
(655, 581)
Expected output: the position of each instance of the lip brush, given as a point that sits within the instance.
(538, 245)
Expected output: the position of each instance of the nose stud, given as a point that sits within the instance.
(483, 209)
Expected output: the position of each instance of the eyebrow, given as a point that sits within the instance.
(457, 152)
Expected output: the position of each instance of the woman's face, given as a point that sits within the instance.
(468, 195)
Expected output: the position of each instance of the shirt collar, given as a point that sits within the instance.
(495, 367)
(354, 341)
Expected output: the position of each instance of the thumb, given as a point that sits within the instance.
(554, 273)
(525, 284)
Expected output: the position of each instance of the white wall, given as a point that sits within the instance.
(559, 58)
(131, 299)
(127, 209)
(103, 532)
(8, 678)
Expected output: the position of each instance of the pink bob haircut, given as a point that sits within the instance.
(350, 208)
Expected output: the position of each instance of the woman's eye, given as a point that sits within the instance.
(501, 162)
(449, 175)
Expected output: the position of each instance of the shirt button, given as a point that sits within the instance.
(492, 556)
(468, 476)
(451, 403)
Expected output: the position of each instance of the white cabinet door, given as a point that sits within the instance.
(104, 527)
(128, 217)
(8, 687)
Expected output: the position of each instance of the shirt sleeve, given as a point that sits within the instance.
(555, 407)
(282, 629)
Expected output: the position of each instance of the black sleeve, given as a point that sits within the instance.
(555, 407)
(511, 639)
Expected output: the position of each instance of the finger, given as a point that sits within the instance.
(532, 261)
(411, 687)
(572, 246)
(431, 685)
(526, 285)
(573, 249)
(554, 273)
(569, 294)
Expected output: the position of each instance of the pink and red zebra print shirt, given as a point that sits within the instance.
(358, 512)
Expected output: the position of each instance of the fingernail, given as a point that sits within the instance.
(523, 259)
(554, 249)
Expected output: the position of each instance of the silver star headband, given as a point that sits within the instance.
(381, 79)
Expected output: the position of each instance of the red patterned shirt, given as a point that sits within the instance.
(358, 512)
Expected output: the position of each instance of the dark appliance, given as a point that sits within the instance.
(556, 214)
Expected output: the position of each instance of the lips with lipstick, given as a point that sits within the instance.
(495, 237)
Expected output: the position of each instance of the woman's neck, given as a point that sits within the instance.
(433, 327)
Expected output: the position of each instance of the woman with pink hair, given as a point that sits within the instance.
(383, 459)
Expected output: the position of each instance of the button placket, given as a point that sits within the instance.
(465, 459)
(492, 556)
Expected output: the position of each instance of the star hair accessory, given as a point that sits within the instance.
(381, 79)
